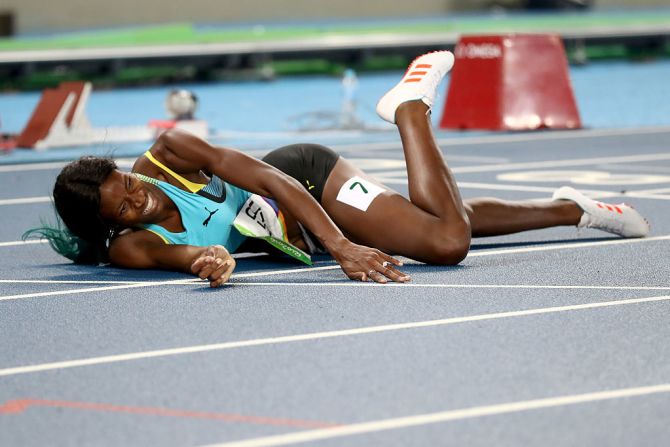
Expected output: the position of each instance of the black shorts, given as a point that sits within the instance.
(310, 164)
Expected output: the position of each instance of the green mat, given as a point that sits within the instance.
(190, 34)
(139, 73)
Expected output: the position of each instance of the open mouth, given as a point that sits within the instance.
(149, 205)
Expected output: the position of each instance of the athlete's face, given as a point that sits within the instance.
(126, 200)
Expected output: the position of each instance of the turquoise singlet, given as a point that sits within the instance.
(207, 212)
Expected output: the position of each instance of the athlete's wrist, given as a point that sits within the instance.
(336, 244)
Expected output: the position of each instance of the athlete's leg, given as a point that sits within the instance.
(392, 223)
(430, 182)
(432, 187)
(495, 217)
(492, 217)
(433, 226)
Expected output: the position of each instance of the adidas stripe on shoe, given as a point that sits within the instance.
(420, 82)
(619, 219)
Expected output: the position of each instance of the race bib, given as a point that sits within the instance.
(259, 219)
(359, 193)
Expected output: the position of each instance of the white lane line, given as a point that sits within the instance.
(529, 188)
(594, 194)
(637, 168)
(638, 195)
(468, 169)
(350, 284)
(448, 286)
(286, 271)
(395, 144)
(504, 187)
(136, 284)
(446, 416)
(27, 242)
(88, 290)
(561, 163)
(25, 200)
(64, 281)
(473, 254)
(512, 138)
(491, 138)
(473, 159)
(24, 167)
(567, 246)
(654, 191)
(45, 241)
(320, 335)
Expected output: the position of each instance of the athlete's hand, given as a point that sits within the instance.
(214, 264)
(362, 263)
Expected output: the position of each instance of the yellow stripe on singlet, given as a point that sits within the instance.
(191, 186)
(159, 235)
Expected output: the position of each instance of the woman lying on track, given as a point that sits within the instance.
(187, 205)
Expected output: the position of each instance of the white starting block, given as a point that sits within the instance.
(60, 120)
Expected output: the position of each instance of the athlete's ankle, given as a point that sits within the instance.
(409, 109)
(569, 211)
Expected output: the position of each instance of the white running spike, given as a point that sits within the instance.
(419, 82)
(618, 219)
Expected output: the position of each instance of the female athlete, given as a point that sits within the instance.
(187, 205)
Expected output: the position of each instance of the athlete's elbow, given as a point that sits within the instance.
(281, 186)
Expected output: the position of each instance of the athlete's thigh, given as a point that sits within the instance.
(391, 223)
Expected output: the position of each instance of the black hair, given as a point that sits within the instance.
(83, 235)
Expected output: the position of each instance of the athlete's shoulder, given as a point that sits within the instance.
(144, 166)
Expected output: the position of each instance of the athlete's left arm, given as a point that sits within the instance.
(185, 152)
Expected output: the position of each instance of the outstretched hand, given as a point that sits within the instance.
(362, 263)
(214, 264)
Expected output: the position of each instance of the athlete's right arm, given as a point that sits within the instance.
(143, 250)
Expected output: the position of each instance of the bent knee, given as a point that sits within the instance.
(451, 248)
(448, 254)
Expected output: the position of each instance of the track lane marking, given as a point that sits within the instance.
(450, 286)
(514, 138)
(462, 169)
(353, 284)
(68, 281)
(476, 254)
(392, 145)
(17, 406)
(505, 187)
(473, 254)
(87, 290)
(561, 163)
(447, 416)
(321, 335)
(594, 194)
(27, 242)
(41, 166)
(25, 200)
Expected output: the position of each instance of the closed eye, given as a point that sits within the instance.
(123, 207)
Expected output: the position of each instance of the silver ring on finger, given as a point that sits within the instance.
(385, 264)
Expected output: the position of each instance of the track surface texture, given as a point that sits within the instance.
(546, 337)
